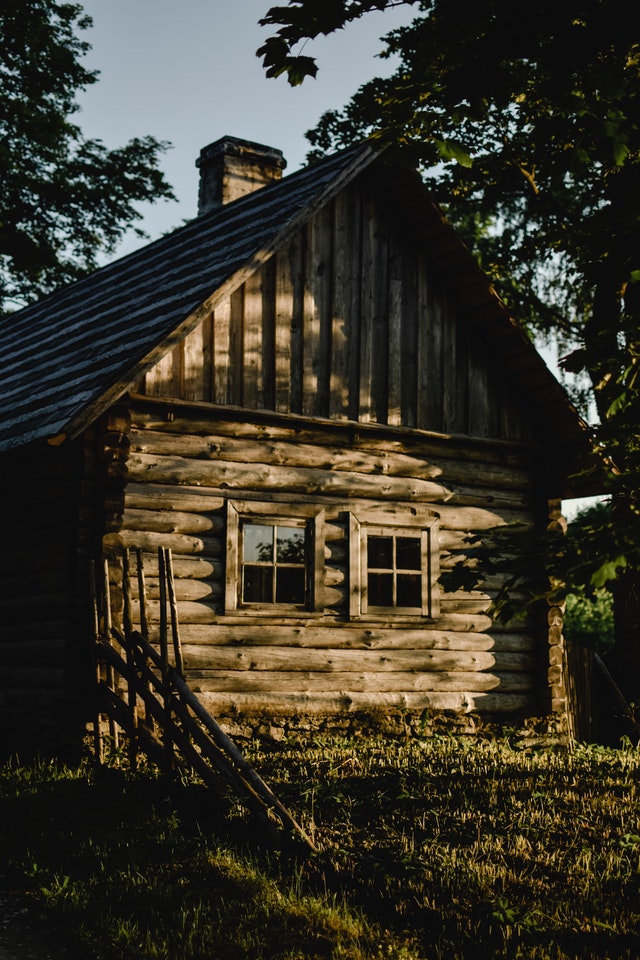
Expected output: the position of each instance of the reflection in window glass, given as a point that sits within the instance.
(274, 563)
(258, 543)
(290, 545)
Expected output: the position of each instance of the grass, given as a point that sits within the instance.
(448, 848)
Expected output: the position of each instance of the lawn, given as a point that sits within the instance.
(444, 847)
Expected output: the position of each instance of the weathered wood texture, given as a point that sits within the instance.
(183, 470)
(348, 320)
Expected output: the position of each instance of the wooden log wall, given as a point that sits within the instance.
(38, 564)
(185, 462)
(347, 321)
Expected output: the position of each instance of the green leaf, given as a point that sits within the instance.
(620, 152)
(608, 571)
(450, 150)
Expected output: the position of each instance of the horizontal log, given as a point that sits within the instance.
(259, 476)
(189, 611)
(27, 653)
(456, 523)
(352, 637)
(184, 567)
(19, 701)
(173, 521)
(186, 418)
(19, 604)
(355, 458)
(468, 604)
(176, 542)
(36, 630)
(350, 702)
(152, 496)
(286, 453)
(185, 590)
(31, 677)
(379, 661)
(455, 622)
(309, 682)
(21, 556)
(28, 583)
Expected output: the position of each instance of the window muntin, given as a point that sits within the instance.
(393, 566)
(394, 570)
(275, 558)
(274, 562)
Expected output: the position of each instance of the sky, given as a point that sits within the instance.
(187, 73)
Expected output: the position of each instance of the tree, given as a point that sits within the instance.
(529, 114)
(64, 198)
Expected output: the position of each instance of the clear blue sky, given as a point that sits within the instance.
(187, 72)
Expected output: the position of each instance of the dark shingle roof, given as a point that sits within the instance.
(69, 350)
(68, 357)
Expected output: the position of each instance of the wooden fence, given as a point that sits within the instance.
(143, 695)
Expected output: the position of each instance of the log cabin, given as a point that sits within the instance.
(313, 396)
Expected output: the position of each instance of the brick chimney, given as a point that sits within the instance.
(231, 168)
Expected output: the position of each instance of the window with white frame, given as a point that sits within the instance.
(393, 565)
(275, 558)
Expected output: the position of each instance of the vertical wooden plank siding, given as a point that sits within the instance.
(236, 345)
(251, 360)
(296, 257)
(193, 364)
(343, 314)
(409, 345)
(323, 285)
(221, 340)
(395, 310)
(348, 321)
(311, 324)
(426, 348)
(284, 287)
(268, 274)
(367, 311)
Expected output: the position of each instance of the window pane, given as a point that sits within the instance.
(290, 545)
(258, 543)
(408, 555)
(409, 590)
(290, 585)
(380, 552)
(380, 587)
(258, 585)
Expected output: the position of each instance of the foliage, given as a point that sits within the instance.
(447, 848)
(589, 621)
(64, 198)
(526, 119)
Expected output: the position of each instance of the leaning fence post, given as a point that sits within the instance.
(97, 739)
(164, 658)
(173, 606)
(144, 622)
(131, 684)
(106, 598)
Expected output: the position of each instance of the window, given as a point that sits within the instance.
(393, 566)
(275, 558)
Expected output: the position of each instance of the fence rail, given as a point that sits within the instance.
(146, 697)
